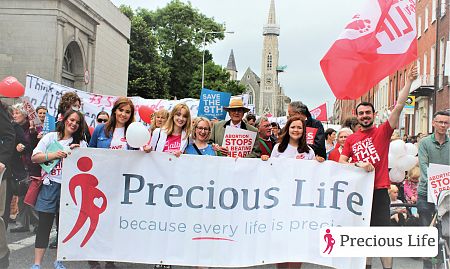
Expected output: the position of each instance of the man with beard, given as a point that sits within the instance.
(368, 149)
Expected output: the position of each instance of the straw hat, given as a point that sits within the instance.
(236, 103)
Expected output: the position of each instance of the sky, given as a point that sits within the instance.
(307, 31)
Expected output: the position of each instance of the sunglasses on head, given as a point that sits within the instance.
(101, 120)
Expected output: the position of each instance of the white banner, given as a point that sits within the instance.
(438, 180)
(204, 210)
(47, 93)
(239, 142)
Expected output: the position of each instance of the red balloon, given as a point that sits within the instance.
(145, 113)
(91, 130)
(11, 87)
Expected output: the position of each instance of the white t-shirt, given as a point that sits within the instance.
(54, 175)
(291, 152)
(118, 139)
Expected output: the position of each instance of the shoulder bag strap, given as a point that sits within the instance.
(196, 149)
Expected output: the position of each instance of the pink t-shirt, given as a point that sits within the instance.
(372, 146)
(173, 143)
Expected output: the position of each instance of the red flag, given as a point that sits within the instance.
(320, 112)
(377, 42)
(310, 135)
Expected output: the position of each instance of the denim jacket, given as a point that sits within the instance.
(100, 140)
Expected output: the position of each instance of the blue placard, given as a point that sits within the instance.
(49, 124)
(212, 103)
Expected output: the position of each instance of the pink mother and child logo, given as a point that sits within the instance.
(90, 197)
(328, 238)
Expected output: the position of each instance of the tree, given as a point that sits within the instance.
(166, 47)
(216, 78)
(180, 30)
(147, 76)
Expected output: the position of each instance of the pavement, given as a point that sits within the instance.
(22, 257)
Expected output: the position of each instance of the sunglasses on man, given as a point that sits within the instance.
(102, 120)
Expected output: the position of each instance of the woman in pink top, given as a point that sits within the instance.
(174, 135)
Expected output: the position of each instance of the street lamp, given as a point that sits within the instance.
(203, 61)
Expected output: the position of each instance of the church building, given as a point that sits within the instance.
(265, 92)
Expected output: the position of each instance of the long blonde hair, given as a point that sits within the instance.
(169, 126)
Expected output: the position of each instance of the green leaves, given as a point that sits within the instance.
(166, 47)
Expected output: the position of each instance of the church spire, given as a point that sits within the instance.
(231, 62)
(272, 19)
(271, 28)
(231, 67)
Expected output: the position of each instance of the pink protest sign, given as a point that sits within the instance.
(438, 180)
(239, 142)
(32, 115)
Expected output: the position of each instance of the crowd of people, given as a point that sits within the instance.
(24, 146)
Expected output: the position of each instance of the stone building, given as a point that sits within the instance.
(265, 92)
(78, 43)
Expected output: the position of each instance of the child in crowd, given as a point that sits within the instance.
(410, 188)
(410, 185)
(398, 214)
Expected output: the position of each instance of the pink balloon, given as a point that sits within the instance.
(11, 87)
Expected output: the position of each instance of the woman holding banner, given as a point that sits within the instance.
(201, 131)
(174, 135)
(69, 134)
(292, 144)
(111, 135)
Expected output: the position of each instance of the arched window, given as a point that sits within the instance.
(269, 61)
(73, 67)
(251, 96)
(68, 61)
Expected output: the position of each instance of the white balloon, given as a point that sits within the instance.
(396, 176)
(411, 149)
(137, 135)
(405, 163)
(391, 161)
(397, 148)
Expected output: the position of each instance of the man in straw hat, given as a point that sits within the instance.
(236, 111)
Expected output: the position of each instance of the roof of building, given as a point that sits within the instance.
(231, 62)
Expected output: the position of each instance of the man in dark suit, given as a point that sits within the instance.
(236, 111)
(7, 138)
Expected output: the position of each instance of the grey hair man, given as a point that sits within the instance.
(315, 136)
(265, 140)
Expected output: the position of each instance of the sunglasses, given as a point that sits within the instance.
(101, 120)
